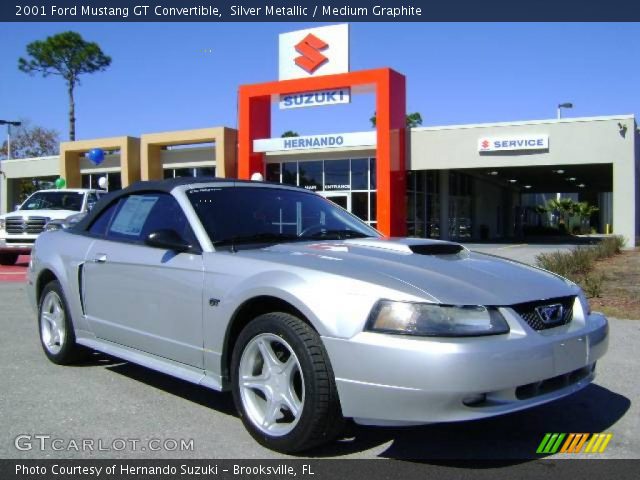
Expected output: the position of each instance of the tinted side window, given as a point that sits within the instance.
(99, 225)
(92, 199)
(140, 215)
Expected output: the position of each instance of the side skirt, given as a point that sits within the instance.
(154, 362)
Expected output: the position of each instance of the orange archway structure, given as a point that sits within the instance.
(255, 123)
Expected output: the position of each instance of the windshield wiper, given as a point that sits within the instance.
(263, 237)
(337, 234)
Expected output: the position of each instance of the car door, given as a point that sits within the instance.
(145, 297)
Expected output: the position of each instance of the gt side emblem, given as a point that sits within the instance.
(550, 313)
(214, 302)
(310, 58)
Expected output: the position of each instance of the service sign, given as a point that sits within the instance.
(313, 52)
(524, 142)
(310, 142)
(315, 99)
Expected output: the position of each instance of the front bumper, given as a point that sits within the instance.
(19, 246)
(403, 380)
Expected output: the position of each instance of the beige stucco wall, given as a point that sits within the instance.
(575, 141)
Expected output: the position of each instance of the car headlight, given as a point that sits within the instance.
(3, 223)
(434, 320)
(53, 225)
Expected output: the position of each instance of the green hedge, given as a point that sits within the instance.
(577, 265)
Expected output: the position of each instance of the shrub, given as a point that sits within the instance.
(577, 264)
(592, 284)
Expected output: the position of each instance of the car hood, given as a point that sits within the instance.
(419, 267)
(52, 214)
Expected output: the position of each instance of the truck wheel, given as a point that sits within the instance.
(8, 258)
(283, 384)
(56, 329)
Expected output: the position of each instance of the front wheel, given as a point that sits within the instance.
(283, 384)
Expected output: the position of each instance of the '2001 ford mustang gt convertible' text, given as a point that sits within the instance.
(308, 315)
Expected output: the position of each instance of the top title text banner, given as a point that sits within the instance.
(314, 10)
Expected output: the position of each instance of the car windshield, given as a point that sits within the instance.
(54, 201)
(253, 215)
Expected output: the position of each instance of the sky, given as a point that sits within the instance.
(173, 76)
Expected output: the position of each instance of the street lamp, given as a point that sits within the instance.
(9, 123)
(563, 105)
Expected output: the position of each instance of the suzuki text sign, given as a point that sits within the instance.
(315, 99)
(524, 142)
(309, 142)
(313, 52)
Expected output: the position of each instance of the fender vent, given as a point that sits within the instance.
(437, 249)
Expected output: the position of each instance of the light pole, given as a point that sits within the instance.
(8, 123)
(563, 105)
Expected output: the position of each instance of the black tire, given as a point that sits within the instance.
(8, 258)
(320, 420)
(66, 351)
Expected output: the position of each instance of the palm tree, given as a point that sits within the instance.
(412, 120)
(584, 211)
(565, 209)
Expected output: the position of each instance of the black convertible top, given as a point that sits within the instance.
(158, 186)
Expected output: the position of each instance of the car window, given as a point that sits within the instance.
(100, 224)
(92, 199)
(140, 215)
(231, 215)
(62, 200)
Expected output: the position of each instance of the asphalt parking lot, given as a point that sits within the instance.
(106, 400)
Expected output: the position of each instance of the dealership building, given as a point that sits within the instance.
(460, 182)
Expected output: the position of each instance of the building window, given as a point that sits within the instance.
(189, 172)
(114, 180)
(353, 180)
(336, 175)
(311, 175)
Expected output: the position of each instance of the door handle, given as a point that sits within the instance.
(100, 258)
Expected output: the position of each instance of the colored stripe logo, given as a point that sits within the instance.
(574, 443)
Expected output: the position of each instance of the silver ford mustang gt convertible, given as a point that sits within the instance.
(308, 315)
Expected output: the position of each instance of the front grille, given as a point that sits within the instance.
(531, 312)
(30, 225)
(20, 240)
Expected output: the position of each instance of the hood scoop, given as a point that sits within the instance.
(408, 246)
(436, 249)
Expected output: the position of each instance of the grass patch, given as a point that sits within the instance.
(578, 265)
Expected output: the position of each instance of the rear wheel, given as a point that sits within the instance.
(56, 329)
(8, 258)
(283, 384)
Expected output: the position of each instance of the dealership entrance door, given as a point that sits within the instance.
(341, 199)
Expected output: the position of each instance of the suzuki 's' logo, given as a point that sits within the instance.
(485, 144)
(310, 58)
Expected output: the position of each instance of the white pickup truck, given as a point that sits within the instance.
(19, 229)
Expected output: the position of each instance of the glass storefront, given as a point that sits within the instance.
(189, 172)
(423, 204)
(114, 180)
(351, 183)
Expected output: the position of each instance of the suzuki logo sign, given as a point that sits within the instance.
(314, 51)
(310, 57)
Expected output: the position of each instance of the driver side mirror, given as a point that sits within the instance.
(167, 239)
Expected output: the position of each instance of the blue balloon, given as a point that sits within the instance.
(96, 156)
